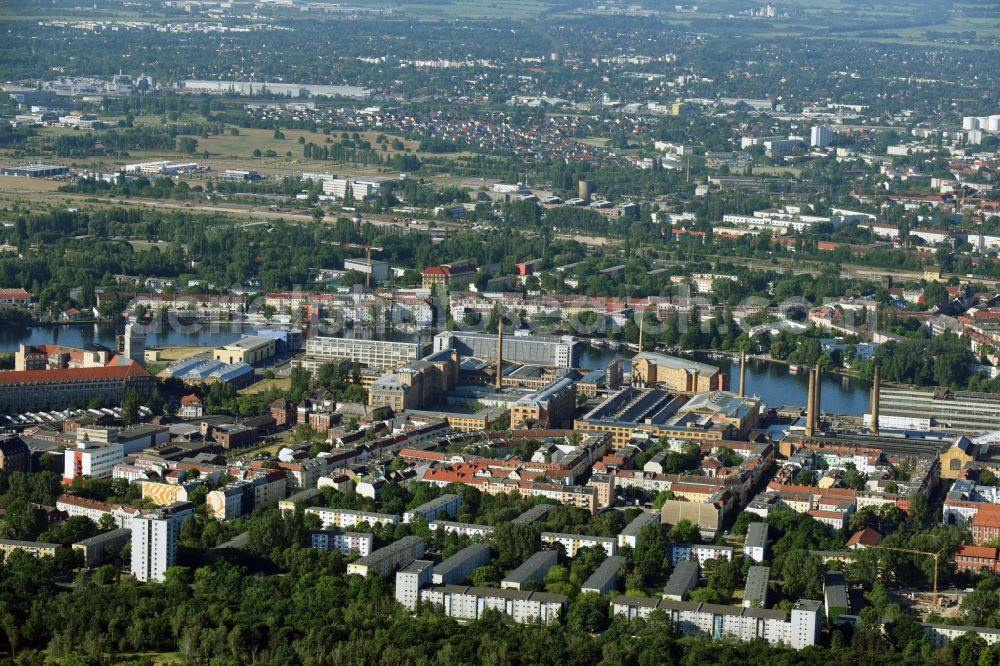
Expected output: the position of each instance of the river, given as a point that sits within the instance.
(104, 334)
(771, 381)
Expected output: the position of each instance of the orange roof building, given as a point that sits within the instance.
(26, 390)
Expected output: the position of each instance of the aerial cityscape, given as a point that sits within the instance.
(499, 332)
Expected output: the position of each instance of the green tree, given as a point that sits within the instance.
(130, 407)
(684, 532)
(588, 613)
(802, 576)
(187, 144)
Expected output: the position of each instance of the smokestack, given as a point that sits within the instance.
(876, 390)
(817, 401)
(642, 318)
(810, 404)
(743, 374)
(499, 352)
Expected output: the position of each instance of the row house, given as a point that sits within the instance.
(200, 306)
(95, 511)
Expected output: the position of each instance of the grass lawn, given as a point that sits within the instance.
(13, 184)
(777, 170)
(282, 383)
(170, 354)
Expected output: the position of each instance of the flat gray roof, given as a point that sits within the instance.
(496, 592)
(107, 536)
(683, 579)
(434, 503)
(416, 566)
(604, 574)
(756, 536)
(531, 566)
(459, 559)
(640, 521)
(758, 578)
(835, 591)
(534, 513)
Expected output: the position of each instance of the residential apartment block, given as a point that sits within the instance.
(605, 577)
(533, 568)
(344, 518)
(445, 505)
(469, 603)
(387, 559)
(799, 628)
(459, 566)
(574, 542)
(154, 546)
(348, 543)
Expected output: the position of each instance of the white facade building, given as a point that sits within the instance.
(91, 459)
(680, 552)
(574, 542)
(820, 136)
(346, 542)
(154, 547)
(799, 629)
(342, 518)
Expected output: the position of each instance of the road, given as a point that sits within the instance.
(256, 212)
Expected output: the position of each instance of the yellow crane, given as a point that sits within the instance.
(368, 257)
(913, 551)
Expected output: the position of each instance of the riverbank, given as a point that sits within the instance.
(734, 356)
(75, 322)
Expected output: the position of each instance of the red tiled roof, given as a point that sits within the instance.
(866, 537)
(826, 514)
(985, 518)
(811, 490)
(977, 551)
(60, 375)
(83, 502)
(191, 400)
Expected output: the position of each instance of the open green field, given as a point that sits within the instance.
(226, 151)
(777, 171)
(283, 383)
(13, 185)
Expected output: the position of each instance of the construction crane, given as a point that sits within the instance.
(913, 551)
(368, 257)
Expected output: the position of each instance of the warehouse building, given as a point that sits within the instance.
(546, 351)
